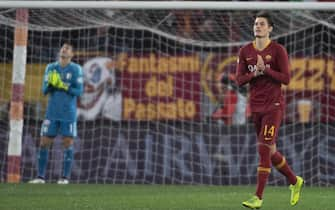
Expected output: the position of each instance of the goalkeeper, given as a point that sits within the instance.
(63, 81)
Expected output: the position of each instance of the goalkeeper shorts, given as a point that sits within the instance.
(52, 128)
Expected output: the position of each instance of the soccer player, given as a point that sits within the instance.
(63, 81)
(264, 65)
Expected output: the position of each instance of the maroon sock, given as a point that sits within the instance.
(279, 161)
(263, 170)
(262, 178)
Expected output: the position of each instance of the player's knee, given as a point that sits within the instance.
(264, 152)
(45, 142)
(67, 142)
(273, 149)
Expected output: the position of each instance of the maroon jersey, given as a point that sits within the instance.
(265, 90)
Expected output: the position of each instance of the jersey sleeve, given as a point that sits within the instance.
(76, 88)
(243, 76)
(282, 75)
(45, 87)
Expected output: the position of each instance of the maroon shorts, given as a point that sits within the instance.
(267, 125)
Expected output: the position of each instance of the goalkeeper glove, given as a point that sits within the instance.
(55, 81)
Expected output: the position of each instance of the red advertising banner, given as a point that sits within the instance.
(160, 87)
(190, 87)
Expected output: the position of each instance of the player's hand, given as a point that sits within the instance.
(260, 66)
(55, 80)
(258, 73)
(52, 78)
(260, 63)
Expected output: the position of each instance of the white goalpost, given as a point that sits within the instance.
(160, 102)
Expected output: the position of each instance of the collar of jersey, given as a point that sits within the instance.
(266, 45)
(65, 66)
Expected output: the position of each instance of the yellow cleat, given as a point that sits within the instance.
(253, 203)
(296, 190)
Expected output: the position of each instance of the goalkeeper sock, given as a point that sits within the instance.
(279, 161)
(264, 169)
(42, 161)
(67, 161)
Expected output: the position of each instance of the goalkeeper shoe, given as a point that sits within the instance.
(253, 203)
(63, 181)
(37, 181)
(296, 190)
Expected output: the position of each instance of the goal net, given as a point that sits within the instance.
(160, 102)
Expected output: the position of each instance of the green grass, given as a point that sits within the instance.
(154, 197)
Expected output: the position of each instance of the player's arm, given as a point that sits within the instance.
(46, 87)
(282, 75)
(243, 76)
(76, 88)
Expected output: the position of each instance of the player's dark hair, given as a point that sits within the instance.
(265, 15)
(68, 44)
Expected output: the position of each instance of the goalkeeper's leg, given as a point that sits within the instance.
(48, 132)
(68, 158)
(69, 132)
(42, 160)
(43, 156)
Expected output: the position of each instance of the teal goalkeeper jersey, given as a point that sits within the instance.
(62, 105)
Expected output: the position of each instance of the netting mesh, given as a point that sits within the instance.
(189, 24)
(158, 90)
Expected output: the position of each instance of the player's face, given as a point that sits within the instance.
(66, 51)
(262, 28)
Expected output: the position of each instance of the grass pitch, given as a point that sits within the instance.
(154, 197)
